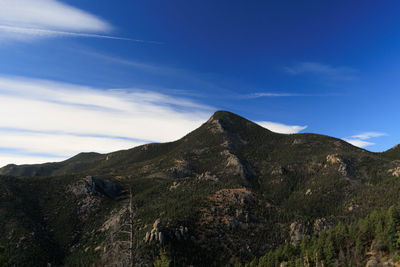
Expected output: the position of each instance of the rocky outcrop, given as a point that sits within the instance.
(160, 235)
(207, 176)
(297, 232)
(231, 210)
(155, 233)
(352, 206)
(174, 186)
(343, 166)
(89, 193)
(372, 263)
(91, 186)
(278, 170)
(321, 224)
(308, 192)
(394, 172)
(234, 165)
(214, 125)
(181, 169)
(298, 141)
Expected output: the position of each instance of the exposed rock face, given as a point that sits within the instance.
(279, 170)
(321, 224)
(352, 206)
(230, 209)
(89, 193)
(215, 125)
(174, 186)
(181, 169)
(395, 172)
(94, 186)
(333, 159)
(298, 141)
(157, 234)
(342, 165)
(234, 165)
(207, 176)
(372, 263)
(297, 232)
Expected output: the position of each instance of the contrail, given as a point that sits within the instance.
(36, 31)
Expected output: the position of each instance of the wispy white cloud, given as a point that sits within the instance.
(61, 145)
(7, 158)
(359, 140)
(27, 20)
(35, 32)
(269, 94)
(359, 143)
(49, 14)
(192, 79)
(281, 128)
(63, 119)
(325, 70)
(368, 135)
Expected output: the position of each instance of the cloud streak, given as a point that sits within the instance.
(270, 94)
(35, 32)
(359, 140)
(368, 135)
(281, 128)
(24, 20)
(323, 70)
(53, 118)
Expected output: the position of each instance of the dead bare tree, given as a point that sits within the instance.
(131, 235)
(129, 223)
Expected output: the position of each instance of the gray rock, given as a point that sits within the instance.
(91, 186)
(207, 176)
(321, 224)
(297, 232)
(372, 263)
(181, 169)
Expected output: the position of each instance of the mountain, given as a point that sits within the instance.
(230, 190)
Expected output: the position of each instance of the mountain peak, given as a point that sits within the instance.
(396, 147)
(233, 123)
(393, 153)
(223, 114)
(225, 121)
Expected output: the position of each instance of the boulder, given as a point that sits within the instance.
(321, 224)
(297, 232)
(372, 263)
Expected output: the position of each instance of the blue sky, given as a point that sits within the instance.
(108, 75)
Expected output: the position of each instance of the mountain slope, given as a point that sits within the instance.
(228, 189)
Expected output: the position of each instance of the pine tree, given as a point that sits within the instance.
(254, 262)
(329, 249)
(2, 257)
(163, 260)
(265, 260)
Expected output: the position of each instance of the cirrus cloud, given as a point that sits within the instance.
(24, 20)
(57, 120)
(280, 127)
(323, 70)
(359, 140)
